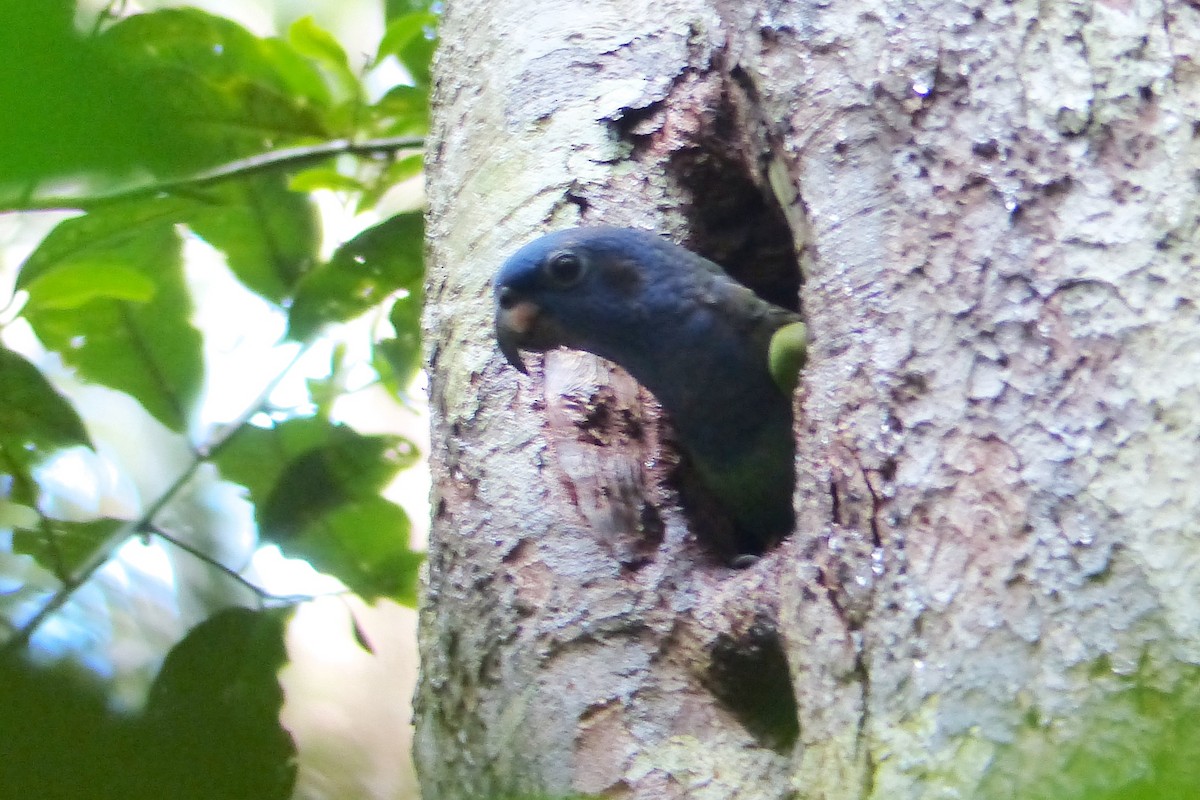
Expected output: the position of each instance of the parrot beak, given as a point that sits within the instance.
(521, 324)
(515, 322)
(510, 345)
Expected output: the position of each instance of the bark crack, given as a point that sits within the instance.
(862, 744)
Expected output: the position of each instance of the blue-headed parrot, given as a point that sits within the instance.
(722, 361)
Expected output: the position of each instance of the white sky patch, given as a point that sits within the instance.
(243, 341)
(283, 576)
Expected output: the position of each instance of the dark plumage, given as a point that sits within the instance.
(699, 341)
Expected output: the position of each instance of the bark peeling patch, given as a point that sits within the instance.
(749, 676)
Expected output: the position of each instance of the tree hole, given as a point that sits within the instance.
(734, 217)
(715, 144)
(749, 676)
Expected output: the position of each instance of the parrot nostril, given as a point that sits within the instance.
(507, 298)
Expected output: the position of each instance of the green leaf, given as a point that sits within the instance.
(70, 107)
(255, 457)
(269, 234)
(395, 173)
(18, 515)
(122, 229)
(216, 51)
(398, 8)
(61, 737)
(403, 352)
(401, 32)
(404, 110)
(301, 468)
(148, 349)
(311, 180)
(361, 274)
(63, 547)
(324, 391)
(408, 38)
(417, 56)
(316, 491)
(211, 722)
(360, 635)
(365, 544)
(34, 418)
(320, 46)
(404, 100)
(405, 168)
(72, 285)
(311, 40)
(348, 467)
(229, 92)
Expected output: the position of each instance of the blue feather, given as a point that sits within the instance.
(697, 339)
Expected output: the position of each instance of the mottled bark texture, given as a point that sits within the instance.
(995, 572)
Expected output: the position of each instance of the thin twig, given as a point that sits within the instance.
(146, 521)
(239, 168)
(199, 554)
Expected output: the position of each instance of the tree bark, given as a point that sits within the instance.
(994, 207)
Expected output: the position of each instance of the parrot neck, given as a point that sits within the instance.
(723, 384)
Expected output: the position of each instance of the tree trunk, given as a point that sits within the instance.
(991, 590)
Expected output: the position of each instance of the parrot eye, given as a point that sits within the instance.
(564, 269)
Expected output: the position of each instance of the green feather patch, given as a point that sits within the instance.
(786, 355)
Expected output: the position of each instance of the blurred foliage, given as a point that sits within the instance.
(70, 105)
(365, 270)
(218, 686)
(171, 92)
(154, 128)
(320, 486)
(209, 730)
(106, 291)
(34, 418)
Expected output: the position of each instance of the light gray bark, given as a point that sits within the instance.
(995, 207)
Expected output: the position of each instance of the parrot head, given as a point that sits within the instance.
(579, 288)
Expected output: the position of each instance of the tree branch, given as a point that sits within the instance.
(239, 168)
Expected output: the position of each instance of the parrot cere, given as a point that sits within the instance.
(722, 361)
